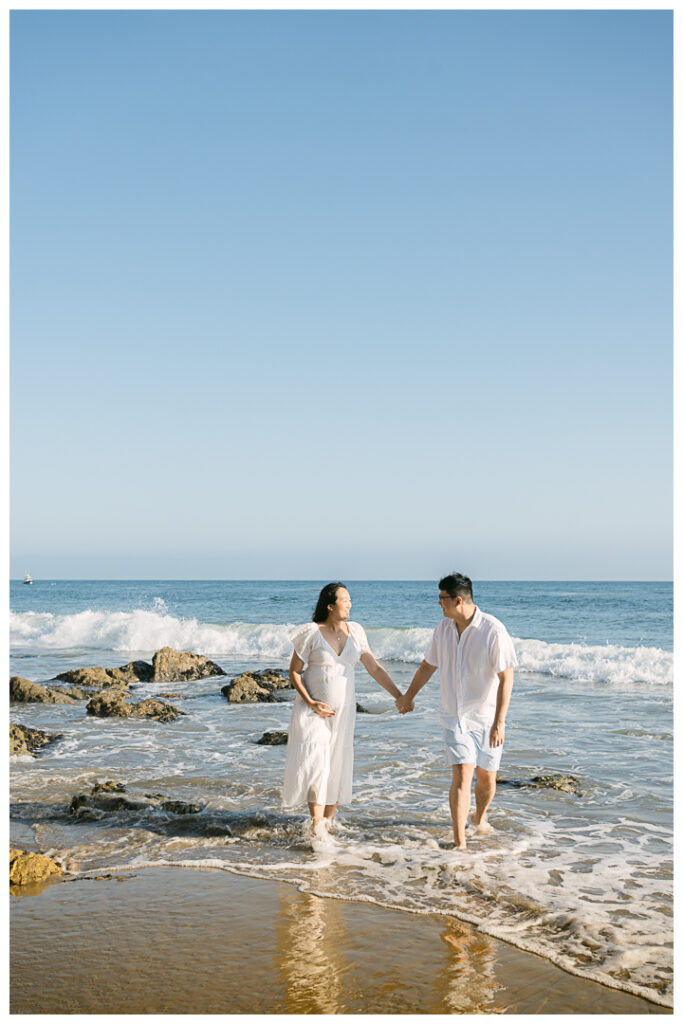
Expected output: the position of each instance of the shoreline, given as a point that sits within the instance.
(194, 940)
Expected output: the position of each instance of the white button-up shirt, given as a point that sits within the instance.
(468, 666)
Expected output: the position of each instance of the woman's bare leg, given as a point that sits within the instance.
(316, 811)
(329, 812)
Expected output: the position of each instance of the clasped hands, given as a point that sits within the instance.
(404, 704)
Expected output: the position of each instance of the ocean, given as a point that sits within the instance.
(581, 878)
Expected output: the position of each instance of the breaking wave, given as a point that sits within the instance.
(145, 631)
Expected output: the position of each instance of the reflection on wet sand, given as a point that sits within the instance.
(310, 935)
(468, 983)
(325, 966)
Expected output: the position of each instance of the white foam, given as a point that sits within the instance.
(145, 631)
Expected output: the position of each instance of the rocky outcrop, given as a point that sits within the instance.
(257, 687)
(23, 691)
(273, 739)
(94, 678)
(114, 705)
(23, 740)
(26, 866)
(105, 797)
(108, 787)
(563, 783)
(98, 678)
(170, 666)
(131, 672)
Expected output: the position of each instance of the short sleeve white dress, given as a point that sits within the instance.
(319, 765)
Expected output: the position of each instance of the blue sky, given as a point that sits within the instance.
(341, 294)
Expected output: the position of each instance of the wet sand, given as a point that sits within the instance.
(168, 940)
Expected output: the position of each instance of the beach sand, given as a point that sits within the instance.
(172, 940)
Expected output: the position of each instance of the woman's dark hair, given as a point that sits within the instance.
(327, 596)
(457, 585)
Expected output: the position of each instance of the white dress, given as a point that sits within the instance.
(319, 766)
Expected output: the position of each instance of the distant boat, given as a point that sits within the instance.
(27, 578)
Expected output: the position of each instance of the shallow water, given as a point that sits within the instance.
(583, 879)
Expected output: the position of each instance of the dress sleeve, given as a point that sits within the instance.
(359, 638)
(302, 638)
(502, 651)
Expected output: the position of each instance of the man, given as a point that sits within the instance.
(476, 660)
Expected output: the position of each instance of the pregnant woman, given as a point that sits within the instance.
(319, 766)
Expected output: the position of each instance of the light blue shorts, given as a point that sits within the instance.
(471, 746)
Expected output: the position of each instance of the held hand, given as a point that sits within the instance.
(404, 704)
(497, 734)
(321, 708)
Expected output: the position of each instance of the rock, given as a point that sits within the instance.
(91, 806)
(95, 678)
(23, 740)
(255, 687)
(83, 806)
(109, 705)
(179, 807)
(563, 783)
(171, 696)
(26, 866)
(77, 692)
(132, 672)
(98, 678)
(361, 710)
(169, 665)
(108, 787)
(273, 739)
(114, 705)
(156, 709)
(23, 691)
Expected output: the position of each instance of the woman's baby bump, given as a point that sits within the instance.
(330, 685)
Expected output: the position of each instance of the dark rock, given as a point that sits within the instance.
(95, 678)
(169, 665)
(23, 740)
(132, 672)
(180, 807)
(109, 705)
(256, 687)
(273, 739)
(82, 805)
(113, 705)
(155, 709)
(171, 696)
(361, 710)
(105, 798)
(77, 692)
(107, 787)
(98, 678)
(563, 783)
(23, 691)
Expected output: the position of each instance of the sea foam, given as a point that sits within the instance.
(145, 631)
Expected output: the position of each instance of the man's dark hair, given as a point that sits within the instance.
(457, 585)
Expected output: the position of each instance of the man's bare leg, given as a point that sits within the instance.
(484, 791)
(459, 796)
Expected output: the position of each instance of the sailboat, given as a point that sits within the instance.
(27, 578)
